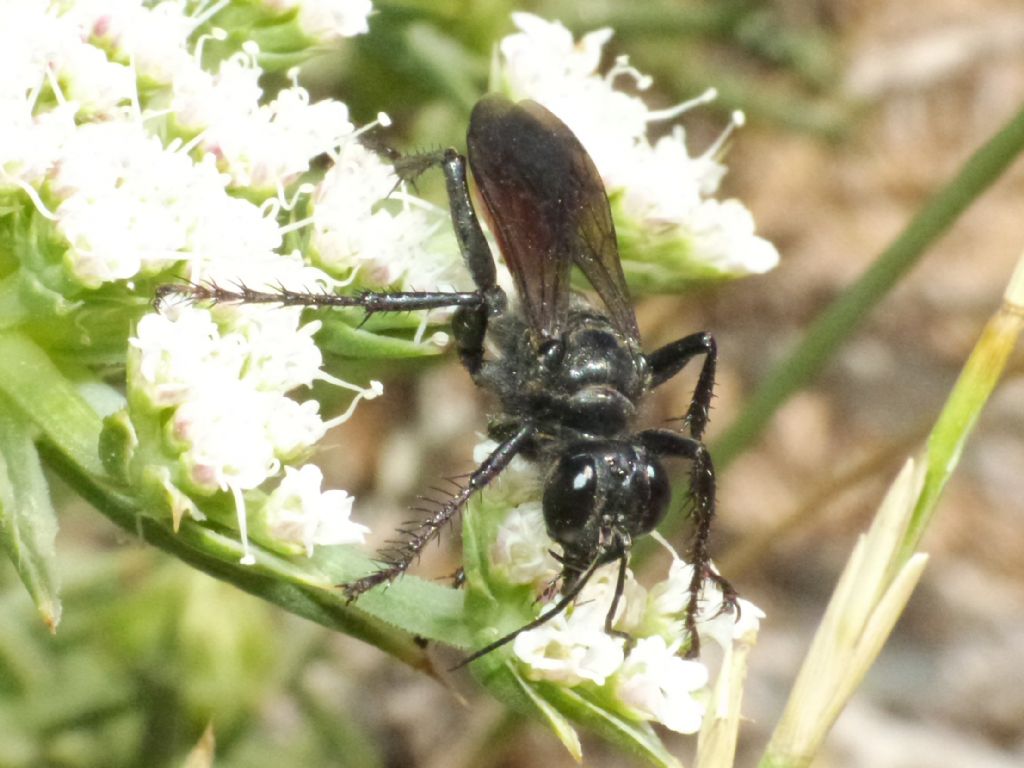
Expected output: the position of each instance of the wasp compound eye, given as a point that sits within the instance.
(570, 497)
(652, 508)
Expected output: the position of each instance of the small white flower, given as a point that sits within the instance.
(282, 353)
(224, 437)
(670, 597)
(30, 38)
(294, 428)
(153, 38)
(569, 653)
(522, 549)
(668, 600)
(723, 233)
(596, 598)
(30, 144)
(128, 205)
(326, 20)
(726, 627)
(179, 355)
(544, 52)
(201, 99)
(261, 146)
(663, 183)
(391, 244)
(656, 684)
(95, 83)
(575, 646)
(297, 511)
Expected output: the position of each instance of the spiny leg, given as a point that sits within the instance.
(473, 308)
(408, 550)
(702, 486)
(669, 360)
(468, 232)
(369, 301)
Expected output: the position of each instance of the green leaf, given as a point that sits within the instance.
(506, 685)
(28, 523)
(422, 608)
(637, 737)
(340, 338)
(979, 377)
(46, 398)
(558, 707)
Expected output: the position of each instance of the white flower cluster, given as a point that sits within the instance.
(261, 146)
(651, 681)
(661, 186)
(221, 384)
(408, 246)
(137, 161)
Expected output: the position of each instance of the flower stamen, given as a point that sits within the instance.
(671, 113)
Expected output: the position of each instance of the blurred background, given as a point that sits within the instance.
(857, 111)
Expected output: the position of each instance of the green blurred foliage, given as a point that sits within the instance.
(149, 653)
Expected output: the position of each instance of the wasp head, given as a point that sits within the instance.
(599, 495)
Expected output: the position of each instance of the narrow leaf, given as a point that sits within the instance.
(28, 523)
(636, 737)
(979, 377)
(520, 695)
(41, 392)
(716, 747)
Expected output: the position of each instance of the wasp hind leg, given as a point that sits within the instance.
(702, 485)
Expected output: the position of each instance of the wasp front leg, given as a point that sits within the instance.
(469, 324)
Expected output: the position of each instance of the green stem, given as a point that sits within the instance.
(214, 554)
(845, 314)
(980, 375)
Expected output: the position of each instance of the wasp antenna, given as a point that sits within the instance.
(545, 617)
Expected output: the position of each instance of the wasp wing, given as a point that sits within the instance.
(547, 209)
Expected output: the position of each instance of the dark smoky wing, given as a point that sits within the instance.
(587, 227)
(596, 250)
(548, 209)
(519, 165)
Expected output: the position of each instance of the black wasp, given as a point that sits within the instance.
(570, 377)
